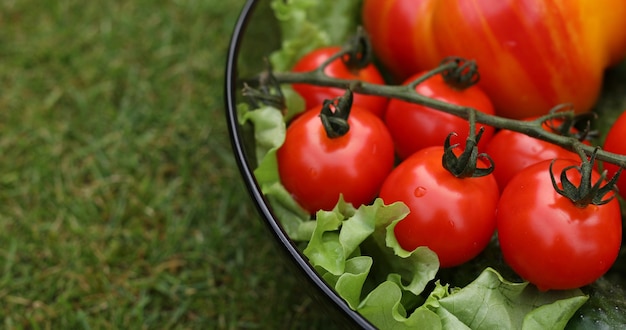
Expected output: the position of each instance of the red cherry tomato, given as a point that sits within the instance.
(530, 52)
(414, 127)
(547, 239)
(512, 151)
(616, 142)
(315, 95)
(453, 217)
(316, 169)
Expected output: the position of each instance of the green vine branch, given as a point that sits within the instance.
(407, 93)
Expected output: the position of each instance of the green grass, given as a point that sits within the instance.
(120, 202)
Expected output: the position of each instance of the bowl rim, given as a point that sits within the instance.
(251, 183)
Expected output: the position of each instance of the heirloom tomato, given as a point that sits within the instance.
(314, 95)
(615, 142)
(454, 217)
(532, 54)
(316, 168)
(549, 240)
(415, 126)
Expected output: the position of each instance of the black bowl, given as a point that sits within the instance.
(252, 39)
(255, 36)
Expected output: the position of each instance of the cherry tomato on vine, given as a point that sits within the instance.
(316, 169)
(454, 217)
(549, 240)
(530, 52)
(513, 151)
(315, 95)
(615, 142)
(414, 127)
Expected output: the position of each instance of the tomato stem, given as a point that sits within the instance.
(532, 128)
(334, 115)
(356, 54)
(443, 67)
(457, 72)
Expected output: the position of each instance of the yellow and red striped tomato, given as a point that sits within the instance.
(532, 54)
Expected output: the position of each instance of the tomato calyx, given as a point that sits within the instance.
(268, 93)
(335, 113)
(463, 75)
(357, 52)
(466, 164)
(570, 124)
(585, 192)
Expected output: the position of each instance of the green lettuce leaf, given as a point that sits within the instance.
(293, 101)
(335, 251)
(383, 308)
(416, 268)
(269, 134)
(340, 233)
(491, 302)
(309, 24)
(324, 249)
(412, 270)
(294, 220)
(349, 285)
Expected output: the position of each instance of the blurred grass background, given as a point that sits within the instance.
(121, 205)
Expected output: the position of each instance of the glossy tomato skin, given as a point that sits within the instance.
(414, 127)
(391, 26)
(529, 52)
(548, 240)
(453, 217)
(315, 95)
(615, 142)
(511, 152)
(316, 169)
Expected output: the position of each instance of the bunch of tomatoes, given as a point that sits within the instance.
(556, 216)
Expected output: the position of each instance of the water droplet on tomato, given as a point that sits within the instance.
(419, 192)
